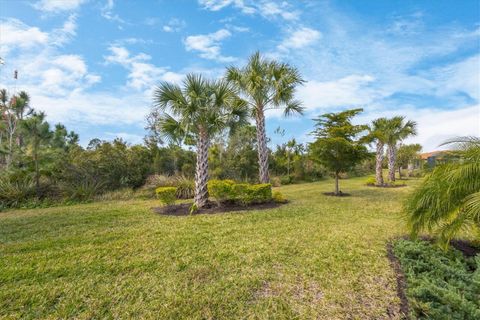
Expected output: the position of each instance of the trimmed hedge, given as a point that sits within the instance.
(440, 285)
(167, 195)
(227, 191)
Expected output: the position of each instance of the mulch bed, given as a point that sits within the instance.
(401, 280)
(340, 194)
(387, 186)
(211, 207)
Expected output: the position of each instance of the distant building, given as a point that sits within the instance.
(437, 157)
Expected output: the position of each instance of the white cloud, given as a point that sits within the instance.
(107, 12)
(58, 5)
(15, 33)
(67, 32)
(300, 38)
(209, 45)
(266, 9)
(353, 90)
(174, 25)
(216, 5)
(142, 75)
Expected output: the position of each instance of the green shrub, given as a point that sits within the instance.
(121, 194)
(185, 187)
(278, 197)
(167, 195)
(257, 193)
(276, 181)
(222, 190)
(440, 284)
(83, 190)
(284, 180)
(371, 181)
(14, 192)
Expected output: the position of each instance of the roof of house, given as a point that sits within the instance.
(426, 155)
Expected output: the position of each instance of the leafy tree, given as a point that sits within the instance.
(337, 146)
(406, 154)
(39, 134)
(199, 109)
(396, 131)
(448, 199)
(266, 84)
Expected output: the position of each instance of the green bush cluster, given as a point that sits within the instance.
(227, 191)
(440, 284)
(371, 181)
(167, 195)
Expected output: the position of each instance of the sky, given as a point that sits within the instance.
(93, 64)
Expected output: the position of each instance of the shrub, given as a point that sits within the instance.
(440, 284)
(167, 195)
(278, 197)
(185, 187)
(222, 190)
(121, 194)
(284, 180)
(82, 190)
(371, 181)
(257, 193)
(276, 181)
(14, 192)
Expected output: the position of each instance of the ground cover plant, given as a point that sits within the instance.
(310, 258)
(439, 284)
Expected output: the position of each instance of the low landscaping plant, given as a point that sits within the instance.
(167, 195)
(278, 197)
(371, 181)
(227, 191)
(440, 284)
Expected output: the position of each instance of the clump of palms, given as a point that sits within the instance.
(266, 84)
(198, 110)
(397, 130)
(448, 200)
(378, 134)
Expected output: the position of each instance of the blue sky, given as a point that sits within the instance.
(92, 64)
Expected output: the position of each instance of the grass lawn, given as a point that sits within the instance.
(316, 257)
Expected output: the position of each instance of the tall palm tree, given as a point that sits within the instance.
(377, 133)
(198, 109)
(266, 84)
(397, 130)
(448, 200)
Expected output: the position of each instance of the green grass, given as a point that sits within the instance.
(316, 257)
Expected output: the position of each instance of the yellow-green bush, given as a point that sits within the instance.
(224, 191)
(221, 190)
(278, 197)
(167, 195)
(371, 181)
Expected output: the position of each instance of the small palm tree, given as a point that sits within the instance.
(396, 131)
(198, 110)
(266, 84)
(377, 134)
(448, 200)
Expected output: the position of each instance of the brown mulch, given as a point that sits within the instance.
(388, 186)
(211, 207)
(340, 194)
(401, 281)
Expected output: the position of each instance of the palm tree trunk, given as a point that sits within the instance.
(337, 188)
(391, 162)
(201, 171)
(262, 147)
(379, 164)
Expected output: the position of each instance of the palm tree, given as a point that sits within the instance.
(199, 110)
(396, 131)
(38, 132)
(448, 200)
(377, 133)
(266, 84)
